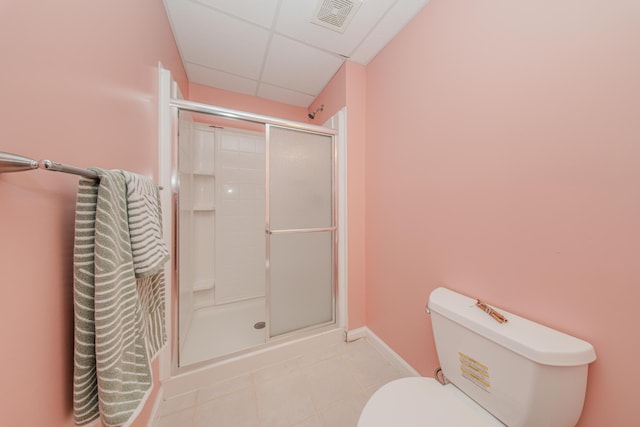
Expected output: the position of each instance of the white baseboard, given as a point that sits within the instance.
(383, 348)
(356, 334)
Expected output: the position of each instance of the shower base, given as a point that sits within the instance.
(221, 330)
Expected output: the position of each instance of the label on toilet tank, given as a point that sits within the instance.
(475, 372)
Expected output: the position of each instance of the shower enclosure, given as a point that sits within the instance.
(256, 234)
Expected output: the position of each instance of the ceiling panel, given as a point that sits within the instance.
(295, 17)
(208, 77)
(261, 12)
(286, 96)
(294, 65)
(216, 40)
(270, 48)
(393, 21)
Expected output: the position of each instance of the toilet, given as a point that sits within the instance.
(499, 369)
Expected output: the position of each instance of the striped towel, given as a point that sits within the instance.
(145, 224)
(119, 310)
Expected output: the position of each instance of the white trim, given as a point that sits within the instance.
(338, 122)
(384, 349)
(164, 179)
(157, 406)
(356, 334)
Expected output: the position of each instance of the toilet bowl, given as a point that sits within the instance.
(500, 369)
(423, 402)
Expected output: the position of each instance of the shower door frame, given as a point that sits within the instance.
(338, 317)
(333, 229)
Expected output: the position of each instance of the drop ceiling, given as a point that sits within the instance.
(272, 50)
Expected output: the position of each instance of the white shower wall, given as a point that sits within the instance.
(201, 206)
(186, 220)
(222, 216)
(240, 217)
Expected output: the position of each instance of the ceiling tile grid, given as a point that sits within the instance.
(299, 67)
(218, 41)
(271, 49)
(284, 95)
(214, 78)
(387, 28)
(260, 12)
(295, 16)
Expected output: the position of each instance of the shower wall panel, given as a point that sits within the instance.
(185, 217)
(240, 239)
(203, 207)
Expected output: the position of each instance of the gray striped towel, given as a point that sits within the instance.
(145, 225)
(118, 296)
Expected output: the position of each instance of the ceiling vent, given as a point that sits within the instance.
(335, 14)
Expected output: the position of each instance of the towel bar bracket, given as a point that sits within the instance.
(15, 163)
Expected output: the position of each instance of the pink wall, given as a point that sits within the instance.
(502, 161)
(247, 103)
(348, 88)
(78, 84)
(501, 151)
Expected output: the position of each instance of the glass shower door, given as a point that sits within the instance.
(301, 229)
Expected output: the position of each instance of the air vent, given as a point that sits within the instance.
(335, 14)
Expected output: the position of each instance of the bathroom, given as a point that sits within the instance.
(492, 149)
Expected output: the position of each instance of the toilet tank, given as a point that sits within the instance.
(525, 374)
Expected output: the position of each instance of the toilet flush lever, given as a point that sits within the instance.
(491, 312)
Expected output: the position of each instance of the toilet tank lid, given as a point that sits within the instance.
(532, 340)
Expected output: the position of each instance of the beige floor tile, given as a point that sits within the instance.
(284, 401)
(326, 388)
(343, 414)
(276, 370)
(182, 418)
(178, 403)
(332, 381)
(224, 387)
(314, 421)
(237, 409)
(370, 368)
(312, 358)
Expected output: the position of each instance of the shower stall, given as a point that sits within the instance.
(256, 232)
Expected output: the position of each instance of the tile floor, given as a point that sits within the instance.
(325, 389)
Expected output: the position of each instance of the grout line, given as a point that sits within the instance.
(338, 354)
(255, 402)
